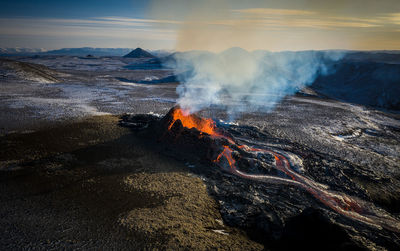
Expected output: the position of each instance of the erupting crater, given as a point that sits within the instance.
(192, 121)
(197, 137)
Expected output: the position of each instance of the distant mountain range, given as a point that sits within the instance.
(90, 51)
(17, 51)
(84, 51)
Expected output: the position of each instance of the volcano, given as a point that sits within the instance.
(245, 168)
(139, 53)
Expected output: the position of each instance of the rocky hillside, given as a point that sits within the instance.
(11, 69)
(367, 83)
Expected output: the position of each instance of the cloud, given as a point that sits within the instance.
(293, 18)
(99, 21)
(278, 24)
(135, 20)
(217, 28)
(392, 18)
(101, 27)
(267, 11)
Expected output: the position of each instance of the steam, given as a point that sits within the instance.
(239, 81)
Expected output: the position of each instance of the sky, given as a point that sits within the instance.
(202, 24)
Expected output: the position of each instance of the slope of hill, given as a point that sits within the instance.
(139, 53)
(10, 69)
(366, 83)
(390, 57)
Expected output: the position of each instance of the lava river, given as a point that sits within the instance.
(346, 205)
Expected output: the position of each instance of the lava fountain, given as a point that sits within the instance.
(346, 205)
(191, 121)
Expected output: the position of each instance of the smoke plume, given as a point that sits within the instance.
(235, 79)
(240, 81)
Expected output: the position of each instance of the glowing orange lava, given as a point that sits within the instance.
(227, 153)
(193, 121)
(341, 203)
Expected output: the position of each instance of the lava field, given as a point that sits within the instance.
(269, 186)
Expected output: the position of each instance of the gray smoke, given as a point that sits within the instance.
(240, 81)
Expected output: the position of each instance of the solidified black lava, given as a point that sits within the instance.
(282, 217)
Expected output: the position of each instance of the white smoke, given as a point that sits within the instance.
(240, 81)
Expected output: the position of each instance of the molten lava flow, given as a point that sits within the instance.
(341, 203)
(227, 153)
(193, 121)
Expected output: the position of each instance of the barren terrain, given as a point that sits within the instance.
(72, 177)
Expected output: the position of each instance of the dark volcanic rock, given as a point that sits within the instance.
(312, 230)
(189, 144)
(137, 121)
(281, 216)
